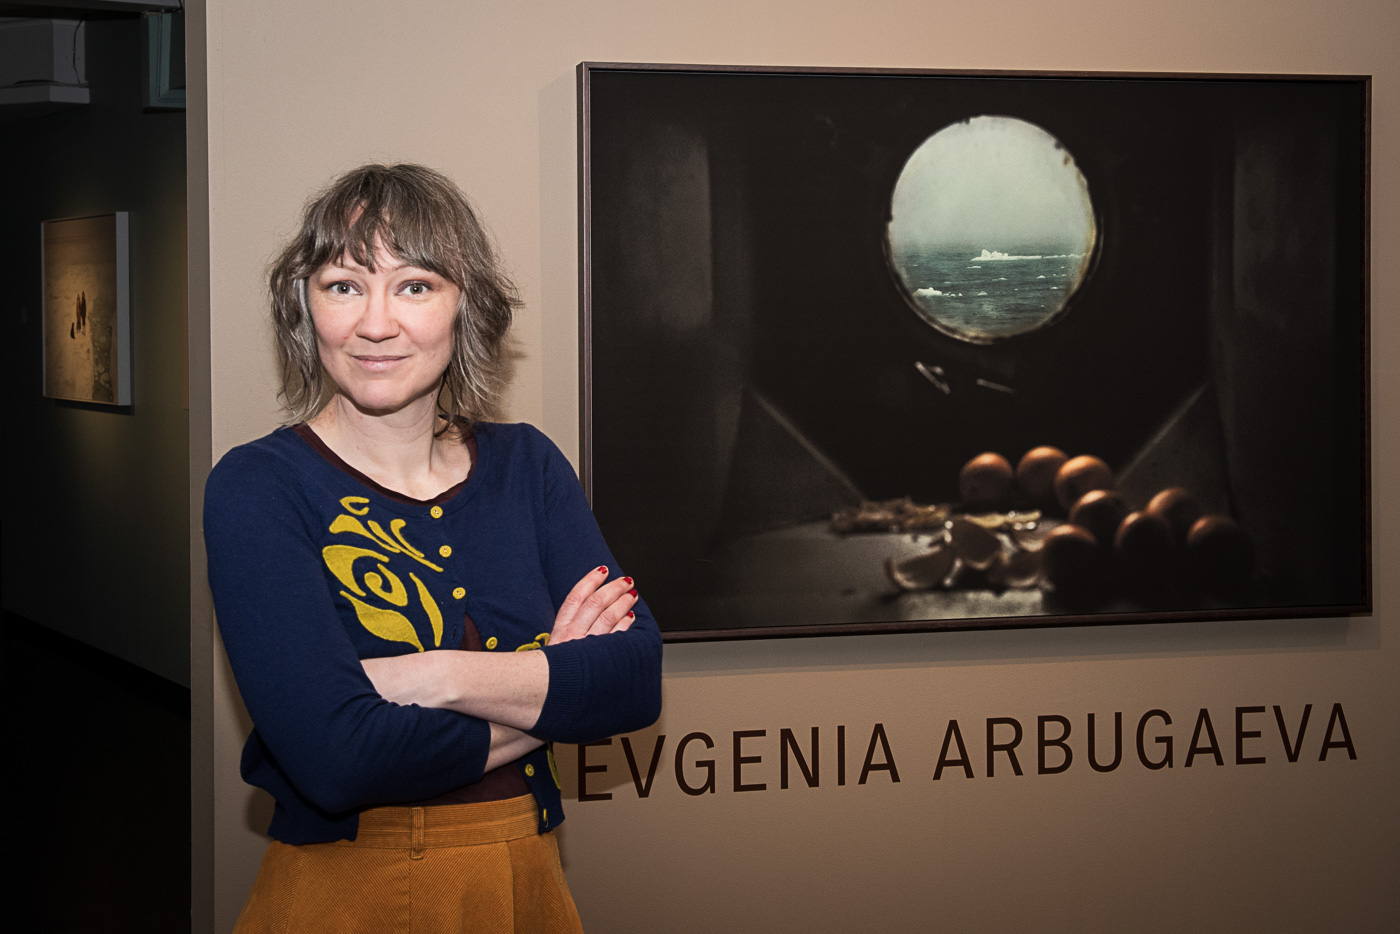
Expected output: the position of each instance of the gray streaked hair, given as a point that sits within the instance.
(423, 219)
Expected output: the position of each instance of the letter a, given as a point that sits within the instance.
(1337, 719)
(953, 735)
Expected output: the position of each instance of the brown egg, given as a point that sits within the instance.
(1073, 562)
(1035, 473)
(1220, 555)
(986, 480)
(1145, 551)
(1100, 511)
(1078, 476)
(1179, 508)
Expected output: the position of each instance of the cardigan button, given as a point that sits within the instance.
(459, 592)
(530, 771)
(491, 642)
(435, 512)
(445, 551)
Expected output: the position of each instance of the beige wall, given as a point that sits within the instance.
(485, 90)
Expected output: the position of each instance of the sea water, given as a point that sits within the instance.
(989, 293)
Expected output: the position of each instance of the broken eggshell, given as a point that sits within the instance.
(1016, 569)
(976, 546)
(1005, 521)
(922, 572)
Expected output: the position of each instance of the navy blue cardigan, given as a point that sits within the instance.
(312, 570)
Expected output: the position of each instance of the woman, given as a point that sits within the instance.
(414, 787)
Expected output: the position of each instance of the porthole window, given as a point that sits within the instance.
(991, 229)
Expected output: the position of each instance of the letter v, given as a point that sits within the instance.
(643, 788)
(1292, 751)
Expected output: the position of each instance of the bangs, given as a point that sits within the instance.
(380, 210)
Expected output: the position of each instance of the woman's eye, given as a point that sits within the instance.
(342, 288)
(416, 288)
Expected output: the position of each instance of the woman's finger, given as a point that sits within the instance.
(596, 612)
(599, 605)
(592, 599)
(574, 600)
(623, 624)
(617, 616)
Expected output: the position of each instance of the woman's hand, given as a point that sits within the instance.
(595, 606)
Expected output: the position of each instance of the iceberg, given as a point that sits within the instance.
(991, 255)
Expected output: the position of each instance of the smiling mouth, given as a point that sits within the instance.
(377, 361)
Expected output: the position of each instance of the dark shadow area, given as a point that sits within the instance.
(106, 486)
(98, 780)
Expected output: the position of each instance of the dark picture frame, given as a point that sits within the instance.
(751, 370)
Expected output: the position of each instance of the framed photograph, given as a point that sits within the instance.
(873, 351)
(87, 312)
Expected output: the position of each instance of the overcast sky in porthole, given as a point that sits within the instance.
(992, 183)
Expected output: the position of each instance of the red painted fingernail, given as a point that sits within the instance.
(627, 579)
(631, 593)
(602, 569)
(630, 614)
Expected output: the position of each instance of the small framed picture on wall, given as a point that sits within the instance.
(87, 313)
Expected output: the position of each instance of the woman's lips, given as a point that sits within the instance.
(377, 362)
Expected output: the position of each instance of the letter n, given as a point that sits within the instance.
(788, 740)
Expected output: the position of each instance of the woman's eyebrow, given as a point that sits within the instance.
(355, 266)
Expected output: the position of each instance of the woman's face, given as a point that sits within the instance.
(385, 337)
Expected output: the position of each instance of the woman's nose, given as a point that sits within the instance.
(378, 322)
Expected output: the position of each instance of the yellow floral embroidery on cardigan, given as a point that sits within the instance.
(382, 584)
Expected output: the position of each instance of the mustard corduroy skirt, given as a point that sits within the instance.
(481, 868)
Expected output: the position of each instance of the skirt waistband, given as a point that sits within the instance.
(447, 825)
